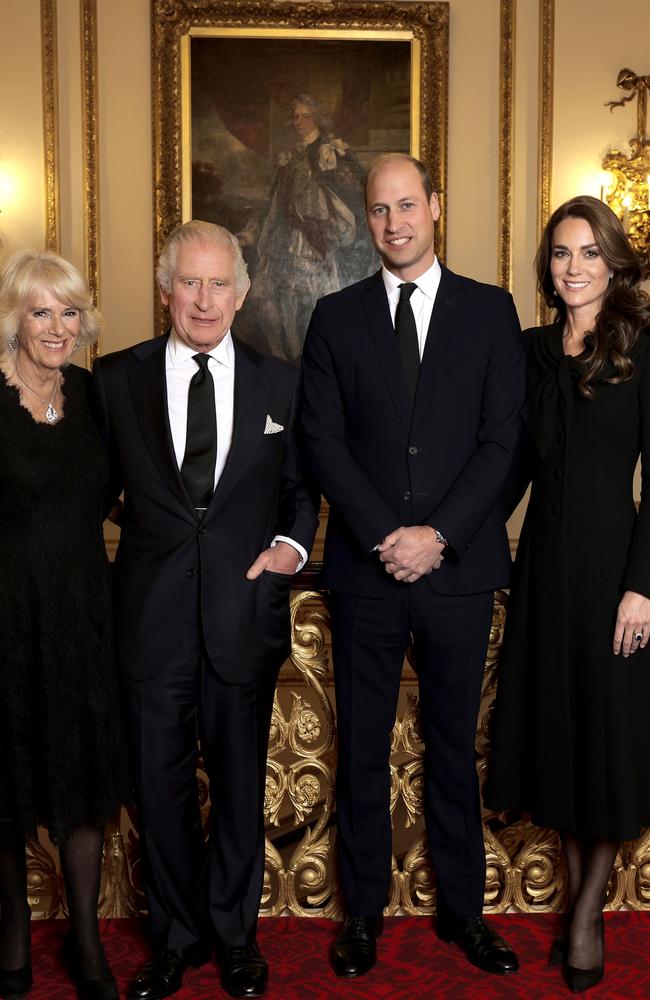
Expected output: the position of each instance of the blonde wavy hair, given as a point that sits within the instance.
(29, 272)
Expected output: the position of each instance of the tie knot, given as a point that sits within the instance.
(201, 360)
(406, 290)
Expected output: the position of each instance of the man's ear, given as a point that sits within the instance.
(240, 298)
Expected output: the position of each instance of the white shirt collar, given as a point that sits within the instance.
(178, 352)
(427, 282)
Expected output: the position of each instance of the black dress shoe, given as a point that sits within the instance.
(244, 970)
(87, 989)
(163, 974)
(355, 950)
(482, 946)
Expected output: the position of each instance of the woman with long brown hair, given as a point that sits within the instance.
(569, 736)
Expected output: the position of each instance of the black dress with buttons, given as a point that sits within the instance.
(569, 737)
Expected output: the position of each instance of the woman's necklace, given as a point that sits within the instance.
(51, 414)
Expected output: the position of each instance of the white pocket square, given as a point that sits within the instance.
(271, 427)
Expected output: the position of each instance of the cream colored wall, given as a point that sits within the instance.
(124, 38)
(472, 179)
(590, 45)
(22, 203)
(585, 78)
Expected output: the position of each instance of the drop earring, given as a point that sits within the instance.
(12, 342)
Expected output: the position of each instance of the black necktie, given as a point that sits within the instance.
(200, 457)
(407, 337)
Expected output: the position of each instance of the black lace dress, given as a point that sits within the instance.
(62, 757)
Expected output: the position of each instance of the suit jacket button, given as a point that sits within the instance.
(201, 530)
(413, 450)
(407, 496)
(191, 572)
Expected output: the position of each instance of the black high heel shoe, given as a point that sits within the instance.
(579, 980)
(87, 989)
(558, 953)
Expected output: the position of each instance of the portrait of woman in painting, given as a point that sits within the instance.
(310, 237)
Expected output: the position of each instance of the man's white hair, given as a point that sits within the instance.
(198, 231)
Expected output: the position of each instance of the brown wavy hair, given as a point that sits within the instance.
(625, 309)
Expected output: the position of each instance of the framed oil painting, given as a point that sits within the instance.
(266, 118)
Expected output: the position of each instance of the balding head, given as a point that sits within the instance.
(386, 159)
(401, 210)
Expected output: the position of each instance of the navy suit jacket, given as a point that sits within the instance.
(443, 463)
(164, 546)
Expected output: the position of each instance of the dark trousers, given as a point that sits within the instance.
(194, 890)
(369, 641)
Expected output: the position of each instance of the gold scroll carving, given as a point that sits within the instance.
(524, 870)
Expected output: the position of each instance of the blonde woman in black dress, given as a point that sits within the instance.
(570, 729)
(61, 753)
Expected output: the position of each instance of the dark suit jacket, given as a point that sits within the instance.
(445, 465)
(164, 546)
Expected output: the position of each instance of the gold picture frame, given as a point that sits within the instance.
(278, 28)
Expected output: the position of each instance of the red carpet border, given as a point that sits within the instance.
(412, 962)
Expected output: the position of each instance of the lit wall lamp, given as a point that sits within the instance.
(8, 188)
(628, 194)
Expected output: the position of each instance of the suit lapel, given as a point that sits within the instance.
(249, 418)
(439, 334)
(375, 304)
(148, 387)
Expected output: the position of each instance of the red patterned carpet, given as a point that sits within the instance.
(413, 963)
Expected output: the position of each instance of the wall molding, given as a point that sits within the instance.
(88, 17)
(545, 155)
(50, 86)
(506, 141)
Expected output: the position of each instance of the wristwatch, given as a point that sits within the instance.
(440, 538)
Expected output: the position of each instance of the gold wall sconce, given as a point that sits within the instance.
(628, 193)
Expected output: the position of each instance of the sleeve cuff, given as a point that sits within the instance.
(297, 546)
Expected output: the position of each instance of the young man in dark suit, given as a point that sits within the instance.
(216, 521)
(413, 381)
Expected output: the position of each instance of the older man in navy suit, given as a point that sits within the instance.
(413, 381)
(201, 434)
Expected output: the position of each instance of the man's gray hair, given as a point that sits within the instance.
(197, 231)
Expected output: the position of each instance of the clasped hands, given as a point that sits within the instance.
(409, 553)
(632, 620)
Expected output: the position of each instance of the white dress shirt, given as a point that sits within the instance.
(180, 368)
(422, 299)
